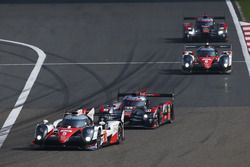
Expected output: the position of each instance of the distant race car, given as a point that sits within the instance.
(139, 113)
(205, 29)
(77, 129)
(207, 58)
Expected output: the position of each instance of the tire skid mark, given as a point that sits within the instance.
(205, 139)
(14, 113)
(64, 89)
(58, 78)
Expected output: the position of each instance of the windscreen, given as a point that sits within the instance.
(133, 103)
(204, 53)
(75, 123)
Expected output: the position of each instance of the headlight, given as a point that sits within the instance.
(226, 65)
(191, 32)
(39, 137)
(145, 116)
(87, 134)
(88, 139)
(220, 32)
(187, 65)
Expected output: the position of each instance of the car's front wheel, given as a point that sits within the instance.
(120, 135)
(98, 140)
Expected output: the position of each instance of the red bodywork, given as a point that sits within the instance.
(224, 25)
(166, 115)
(64, 134)
(206, 29)
(207, 61)
(187, 26)
(114, 138)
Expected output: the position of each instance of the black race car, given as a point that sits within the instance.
(138, 111)
(78, 129)
(205, 29)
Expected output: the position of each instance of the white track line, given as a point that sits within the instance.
(104, 63)
(25, 92)
(240, 34)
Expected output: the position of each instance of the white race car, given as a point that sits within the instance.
(78, 129)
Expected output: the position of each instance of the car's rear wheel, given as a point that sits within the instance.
(187, 71)
(172, 114)
(157, 121)
(187, 39)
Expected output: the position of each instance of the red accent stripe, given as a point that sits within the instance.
(114, 138)
(246, 30)
(248, 41)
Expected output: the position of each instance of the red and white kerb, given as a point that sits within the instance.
(246, 31)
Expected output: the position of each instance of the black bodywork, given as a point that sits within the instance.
(203, 31)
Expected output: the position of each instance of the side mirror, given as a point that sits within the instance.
(45, 121)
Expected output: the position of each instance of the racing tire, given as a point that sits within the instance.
(37, 147)
(157, 121)
(98, 140)
(186, 72)
(120, 135)
(228, 72)
(224, 40)
(187, 39)
(172, 114)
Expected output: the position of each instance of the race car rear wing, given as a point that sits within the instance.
(213, 17)
(117, 116)
(170, 95)
(227, 46)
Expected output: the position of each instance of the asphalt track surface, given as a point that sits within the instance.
(212, 111)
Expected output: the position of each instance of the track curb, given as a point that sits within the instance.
(246, 32)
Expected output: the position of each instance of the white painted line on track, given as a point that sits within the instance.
(240, 34)
(247, 33)
(103, 63)
(95, 63)
(5, 130)
(247, 38)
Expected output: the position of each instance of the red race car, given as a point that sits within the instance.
(205, 28)
(139, 111)
(207, 58)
